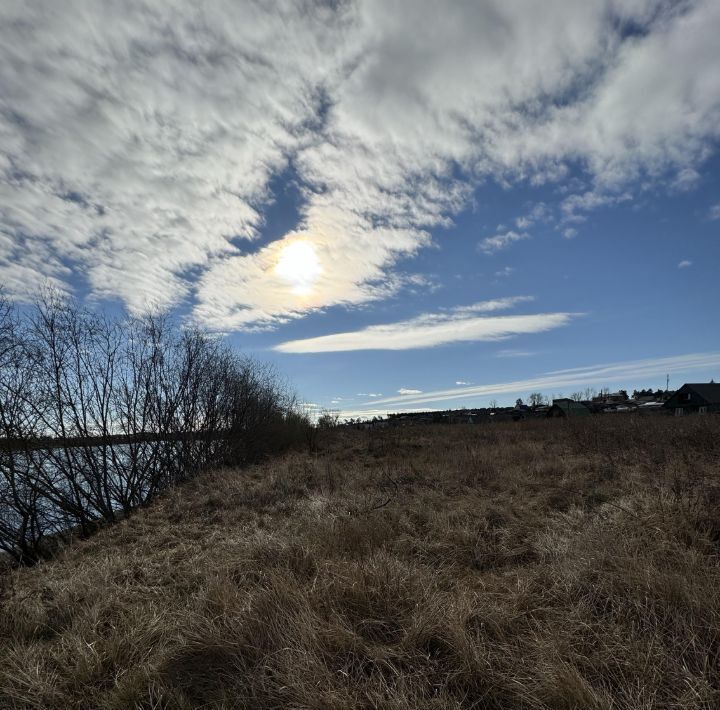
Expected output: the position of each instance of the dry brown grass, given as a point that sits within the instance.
(533, 565)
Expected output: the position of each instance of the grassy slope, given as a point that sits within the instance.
(536, 565)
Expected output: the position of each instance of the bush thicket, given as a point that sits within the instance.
(99, 413)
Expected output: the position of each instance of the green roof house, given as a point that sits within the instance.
(567, 408)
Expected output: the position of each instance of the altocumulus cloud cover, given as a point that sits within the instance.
(141, 145)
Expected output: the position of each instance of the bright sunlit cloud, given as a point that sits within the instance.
(137, 159)
(298, 264)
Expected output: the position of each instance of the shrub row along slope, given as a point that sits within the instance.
(99, 414)
(537, 565)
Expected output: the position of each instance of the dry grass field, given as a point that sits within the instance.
(534, 565)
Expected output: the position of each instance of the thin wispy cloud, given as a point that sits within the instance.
(404, 391)
(686, 179)
(539, 213)
(575, 206)
(514, 353)
(501, 241)
(495, 304)
(137, 158)
(462, 324)
(362, 413)
(627, 372)
(684, 264)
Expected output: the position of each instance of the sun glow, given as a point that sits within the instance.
(298, 264)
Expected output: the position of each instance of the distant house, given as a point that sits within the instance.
(568, 408)
(698, 398)
(651, 408)
(542, 411)
(611, 398)
(520, 411)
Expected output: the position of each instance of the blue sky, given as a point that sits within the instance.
(403, 205)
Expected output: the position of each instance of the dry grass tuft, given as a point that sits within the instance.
(538, 565)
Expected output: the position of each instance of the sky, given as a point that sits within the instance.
(402, 204)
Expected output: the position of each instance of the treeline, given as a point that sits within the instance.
(98, 414)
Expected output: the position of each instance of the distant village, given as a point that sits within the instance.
(691, 399)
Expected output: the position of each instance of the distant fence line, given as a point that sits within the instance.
(98, 414)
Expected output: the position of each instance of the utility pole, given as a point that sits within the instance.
(667, 383)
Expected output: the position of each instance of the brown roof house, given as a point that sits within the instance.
(698, 398)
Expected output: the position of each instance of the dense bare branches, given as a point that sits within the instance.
(99, 414)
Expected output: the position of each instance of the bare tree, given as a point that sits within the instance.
(536, 399)
(21, 527)
(97, 415)
(328, 419)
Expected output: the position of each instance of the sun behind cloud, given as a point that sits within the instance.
(298, 264)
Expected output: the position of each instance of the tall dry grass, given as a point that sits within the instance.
(532, 565)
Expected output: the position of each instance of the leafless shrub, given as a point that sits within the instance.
(97, 415)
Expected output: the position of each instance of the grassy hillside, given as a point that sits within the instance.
(531, 565)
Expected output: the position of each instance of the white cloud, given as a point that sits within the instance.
(513, 353)
(539, 213)
(505, 272)
(365, 414)
(137, 146)
(136, 143)
(403, 391)
(570, 233)
(685, 180)
(501, 241)
(495, 304)
(243, 291)
(460, 383)
(684, 264)
(635, 371)
(574, 206)
(432, 329)
(714, 212)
